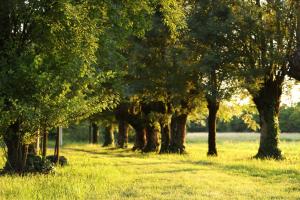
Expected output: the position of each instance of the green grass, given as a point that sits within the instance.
(101, 173)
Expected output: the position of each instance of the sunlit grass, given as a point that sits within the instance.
(103, 173)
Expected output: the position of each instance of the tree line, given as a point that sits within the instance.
(146, 64)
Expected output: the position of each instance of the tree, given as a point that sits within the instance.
(267, 38)
(47, 52)
(294, 64)
(149, 78)
(212, 24)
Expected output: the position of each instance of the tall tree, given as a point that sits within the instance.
(267, 33)
(211, 38)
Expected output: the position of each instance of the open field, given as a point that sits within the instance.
(102, 173)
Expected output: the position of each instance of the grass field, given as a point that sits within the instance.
(101, 173)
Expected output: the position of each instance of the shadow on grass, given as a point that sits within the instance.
(239, 169)
(263, 173)
(119, 153)
(253, 171)
(177, 171)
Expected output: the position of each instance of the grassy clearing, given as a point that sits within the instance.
(101, 173)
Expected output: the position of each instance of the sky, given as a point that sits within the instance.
(292, 96)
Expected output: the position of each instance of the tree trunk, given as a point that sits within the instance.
(213, 107)
(152, 143)
(45, 143)
(38, 143)
(140, 138)
(95, 134)
(138, 124)
(56, 149)
(165, 137)
(108, 136)
(32, 149)
(16, 151)
(267, 102)
(123, 134)
(178, 133)
(90, 133)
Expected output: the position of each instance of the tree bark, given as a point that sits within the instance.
(16, 151)
(90, 132)
(140, 138)
(45, 143)
(95, 134)
(108, 136)
(178, 133)
(56, 149)
(123, 134)
(33, 148)
(138, 124)
(267, 102)
(152, 143)
(213, 107)
(165, 137)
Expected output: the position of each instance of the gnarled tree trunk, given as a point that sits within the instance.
(108, 136)
(267, 102)
(123, 134)
(165, 137)
(152, 143)
(17, 151)
(213, 107)
(140, 138)
(178, 133)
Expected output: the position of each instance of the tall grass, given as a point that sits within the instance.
(104, 173)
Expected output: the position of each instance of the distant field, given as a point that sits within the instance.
(231, 136)
(102, 173)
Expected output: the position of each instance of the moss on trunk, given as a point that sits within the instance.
(267, 102)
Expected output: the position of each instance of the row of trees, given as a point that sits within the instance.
(289, 117)
(148, 64)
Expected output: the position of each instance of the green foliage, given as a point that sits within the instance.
(289, 118)
(47, 65)
(267, 38)
(211, 26)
